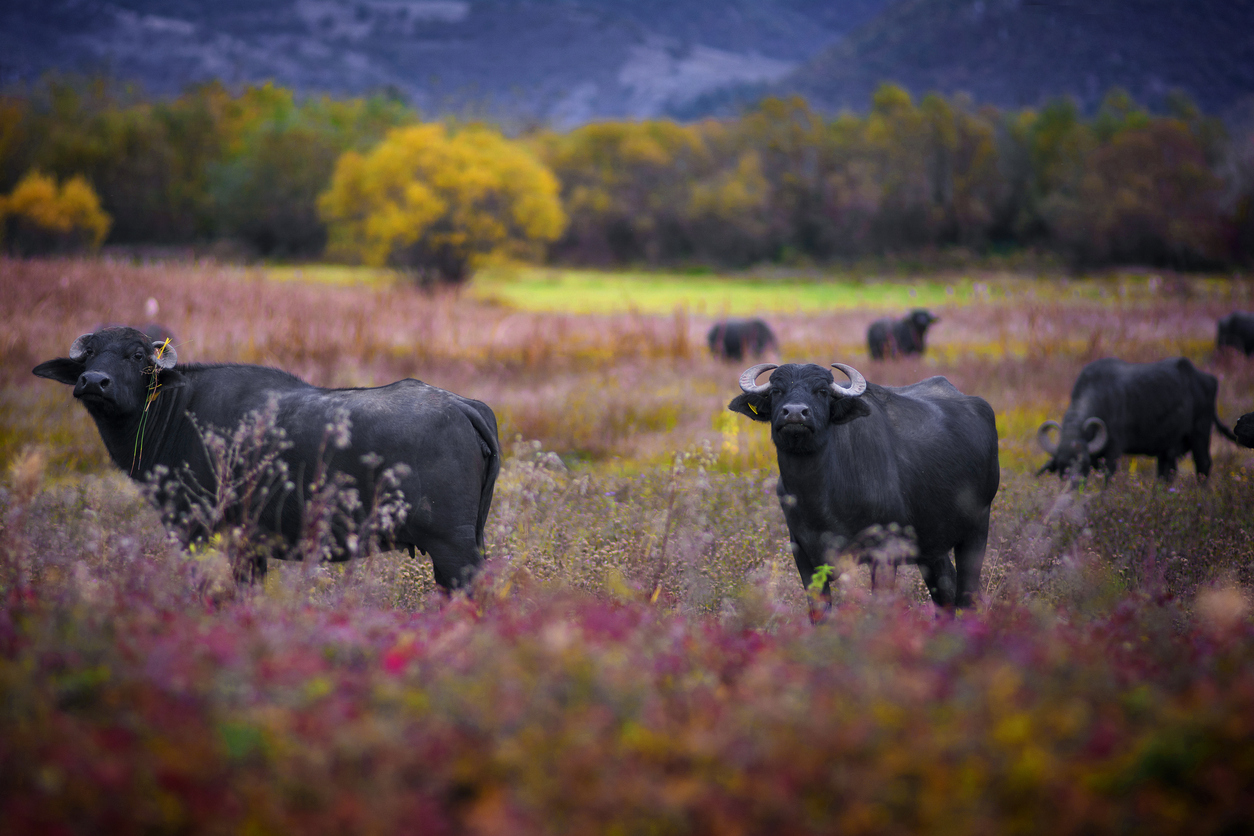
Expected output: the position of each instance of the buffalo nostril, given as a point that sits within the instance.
(104, 383)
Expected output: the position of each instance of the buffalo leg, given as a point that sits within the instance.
(249, 568)
(941, 579)
(806, 568)
(455, 559)
(969, 558)
(1200, 445)
(1167, 467)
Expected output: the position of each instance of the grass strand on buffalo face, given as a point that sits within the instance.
(154, 389)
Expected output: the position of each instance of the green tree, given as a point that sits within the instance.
(435, 200)
(280, 157)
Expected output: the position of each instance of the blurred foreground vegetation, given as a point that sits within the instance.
(240, 172)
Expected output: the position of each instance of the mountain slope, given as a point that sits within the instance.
(567, 62)
(1016, 53)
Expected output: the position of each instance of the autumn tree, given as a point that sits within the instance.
(434, 200)
(40, 217)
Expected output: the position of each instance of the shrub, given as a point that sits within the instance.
(434, 201)
(40, 217)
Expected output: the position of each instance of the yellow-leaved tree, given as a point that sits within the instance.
(435, 200)
(39, 216)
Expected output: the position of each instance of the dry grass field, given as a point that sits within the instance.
(637, 658)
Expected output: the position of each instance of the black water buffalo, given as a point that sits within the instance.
(158, 332)
(1244, 430)
(888, 337)
(851, 457)
(441, 448)
(1236, 330)
(731, 339)
(1163, 409)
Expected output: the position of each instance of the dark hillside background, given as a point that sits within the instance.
(563, 62)
(571, 62)
(1017, 53)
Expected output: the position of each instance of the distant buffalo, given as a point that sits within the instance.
(1164, 409)
(732, 339)
(923, 457)
(158, 333)
(889, 338)
(1244, 430)
(437, 449)
(1236, 330)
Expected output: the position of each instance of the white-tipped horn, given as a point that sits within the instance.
(749, 379)
(163, 354)
(78, 349)
(857, 383)
(1042, 437)
(1098, 442)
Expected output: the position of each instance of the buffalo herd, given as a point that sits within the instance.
(854, 459)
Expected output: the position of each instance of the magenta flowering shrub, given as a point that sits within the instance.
(573, 714)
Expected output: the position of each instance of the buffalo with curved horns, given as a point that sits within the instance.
(1163, 409)
(923, 457)
(440, 448)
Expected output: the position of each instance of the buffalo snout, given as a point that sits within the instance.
(93, 384)
(794, 413)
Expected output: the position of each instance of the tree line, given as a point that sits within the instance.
(367, 179)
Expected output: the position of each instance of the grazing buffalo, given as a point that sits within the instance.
(438, 449)
(852, 457)
(1244, 430)
(888, 338)
(731, 339)
(1163, 409)
(1236, 330)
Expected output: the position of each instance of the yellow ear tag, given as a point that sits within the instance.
(753, 408)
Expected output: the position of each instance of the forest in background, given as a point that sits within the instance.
(242, 171)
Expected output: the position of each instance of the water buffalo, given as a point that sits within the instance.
(1236, 330)
(158, 332)
(851, 457)
(1244, 430)
(730, 339)
(441, 449)
(888, 338)
(1163, 409)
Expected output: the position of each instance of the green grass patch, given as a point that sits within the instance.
(594, 291)
(340, 274)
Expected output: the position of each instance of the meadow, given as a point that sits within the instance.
(637, 657)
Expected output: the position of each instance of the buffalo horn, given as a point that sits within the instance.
(857, 383)
(1099, 440)
(1042, 437)
(78, 350)
(748, 380)
(163, 354)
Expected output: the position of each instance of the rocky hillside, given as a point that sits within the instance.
(566, 62)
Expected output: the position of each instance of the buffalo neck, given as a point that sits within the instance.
(138, 442)
(851, 472)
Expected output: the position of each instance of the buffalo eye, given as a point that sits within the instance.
(139, 355)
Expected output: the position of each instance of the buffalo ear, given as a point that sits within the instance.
(170, 379)
(757, 407)
(163, 355)
(62, 370)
